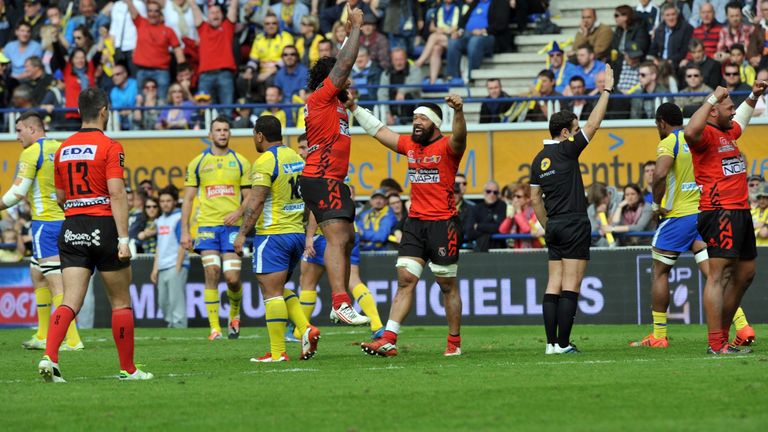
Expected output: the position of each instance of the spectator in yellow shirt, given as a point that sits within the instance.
(760, 216)
(274, 97)
(267, 49)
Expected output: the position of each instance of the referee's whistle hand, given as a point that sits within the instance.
(123, 252)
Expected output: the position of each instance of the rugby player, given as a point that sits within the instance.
(432, 232)
(327, 163)
(557, 195)
(724, 221)
(91, 190)
(34, 180)
(218, 177)
(676, 201)
(275, 207)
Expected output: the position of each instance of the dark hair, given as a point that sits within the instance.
(90, 102)
(279, 89)
(35, 118)
(169, 190)
(270, 127)
(490, 80)
(320, 72)
(739, 47)
(695, 43)
(82, 28)
(390, 183)
(559, 121)
(183, 67)
(302, 137)
(23, 24)
(289, 46)
(462, 175)
(692, 66)
(434, 107)
(221, 119)
(85, 54)
(670, 113)
(148, 80)
(730, 64)
(650, 162)
(576, 78)
(596, 192)
(733, 5)
(590, 49)
(325, 41)
(35, 61)
(627, 11)
(547, 73)
(635, 187)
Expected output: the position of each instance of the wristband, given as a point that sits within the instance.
(712, 100)
(753, 97)
(608, 90)
(123, 240)
(654, 207)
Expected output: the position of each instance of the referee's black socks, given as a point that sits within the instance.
(566, 312)
(549, 308)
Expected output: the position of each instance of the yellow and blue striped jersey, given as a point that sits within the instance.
(279, 169)
(218, 180)
(682, 195)
(36, 164)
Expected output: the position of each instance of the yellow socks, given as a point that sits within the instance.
(295, 312)
(73, 337)
(235, 299)
(367, 303)
(277, 319)
(659, 324)
(739, 319)
(308, 299)
(212, 306)
(43, 299)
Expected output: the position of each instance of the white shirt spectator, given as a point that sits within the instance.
(172, 19)
(121, 26)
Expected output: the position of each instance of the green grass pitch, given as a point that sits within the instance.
(503, 382)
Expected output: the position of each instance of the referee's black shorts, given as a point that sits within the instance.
(568, 236)
(90, 242)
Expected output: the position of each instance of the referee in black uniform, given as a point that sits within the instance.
(557, 192)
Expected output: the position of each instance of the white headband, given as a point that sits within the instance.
(429, 114)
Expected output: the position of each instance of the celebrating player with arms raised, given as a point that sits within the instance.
(432, 232)
(218, 177)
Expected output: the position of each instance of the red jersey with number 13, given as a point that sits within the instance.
(720, 170)
(328, 135)
(84, 163)
(431, 172)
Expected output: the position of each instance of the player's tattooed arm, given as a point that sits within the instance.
(348, 53)
(253, 206)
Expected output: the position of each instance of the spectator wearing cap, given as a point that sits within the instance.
(308, 42)
(708, 30)
(716, 6)
(6, 24)
(375, 42)
(670, 39)
(580, 107)
(588, 67)
(491, 112)
(274, 97)
(35, 77)
(88, 16)
(154, 42)
(405, 77)
(33, 15)
(123, 94)
(732, 81)
(7, 83)
(541, 109)
(365, 73)
(486, 219)
(292, 77)
(267, 50)
(19, 50)
(630, 30)
(626, 71)
(562, 70)
(760, 215)
(694, 83)
(648, 14)
(217, 63)
(375, 224)
(754, 184)
(338, 13)
(474, 40)
(591, 31)
(735, 32)
(645, 108)
(290, 13)
(201, 100)
(123, 31)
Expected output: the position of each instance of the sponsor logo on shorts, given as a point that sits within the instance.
(295, 167)
(232, 237)
(428, 175)
(733, 166)
(545, 164)
(78, 152)
(441, 251)
(83, 239)
(86, 202)
(205, 235)
(215, 191)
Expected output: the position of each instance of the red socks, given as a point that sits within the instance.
(57, 331)
(455, 340)
(390, 336)
(122, 331)
(340, 298)
(716, 340)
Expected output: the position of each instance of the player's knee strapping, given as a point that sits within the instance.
(232, 265)
(411, 265)
(34, 265)
(50, 268)
(664, 259)
(701, 256)
(211, 260)
(444, 270)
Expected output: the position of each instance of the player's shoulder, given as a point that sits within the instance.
(239, 156)
(199, 157)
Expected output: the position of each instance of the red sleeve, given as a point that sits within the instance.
(57, 179)
(115, 161)
(139, 21)
(736, 131)
(172, 39)
(706, 137)
(327, 92)
(402, 144)
(228, 26)
(506, 226)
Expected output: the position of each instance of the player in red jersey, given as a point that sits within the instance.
(724, 222)
(322, 182)
(91, 190)
(432, 232)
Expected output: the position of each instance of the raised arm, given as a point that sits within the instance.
(598, 113)
(348, 54)
(373, 126)
(698, 120)
(197, 13)
(745, 110)
(459, 138)
(234, 5)
(132, 9)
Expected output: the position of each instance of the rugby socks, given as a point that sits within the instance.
(454, 339)
(367, 303)
(716, 340)
(308, 299)
(62, 317)
(339, 298)
(295, 314)
(122, 332)
(549, 309)
(739, 319)
(566, 313)
(277, 319)
(73, 336)
(659, 324)
(235, 299)
(43, 300)
(391, 331)
(212, 306)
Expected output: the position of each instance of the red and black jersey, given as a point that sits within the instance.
(83, 164)
(328, 134)
(720, 169)
(431, 172)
